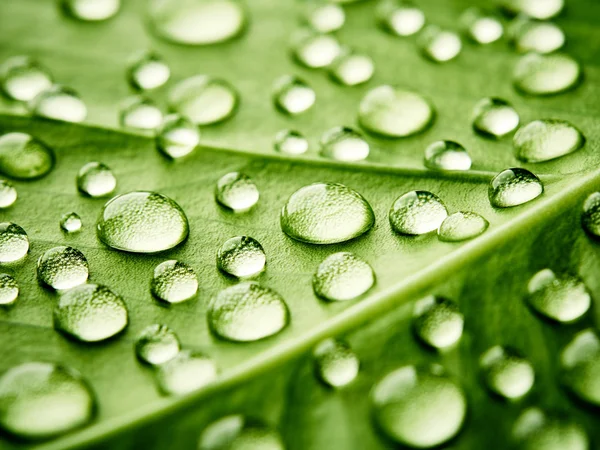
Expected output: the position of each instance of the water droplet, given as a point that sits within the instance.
(95, 179)
(538, 9)
(23, 78)
(186, 372)
(24, 157)
(590, 216)
(247, 312)
(70, 223)
(290, 142)
(417, 212)
(92, 10)
(142, 222)
(9, 289)
(40, 400)
(418, 407)
(344, 144)
(62, 268)
(326, 17)
(439, 45)
(513, 187)
(177, 136)
(351, 69)
(342, 276)
(494, 118)
(90, 313)
(59, 103)
(537, 430)
(447, 155)
(149, 71)
(236, 432)
(141, 113)
(335, 363)
(14, 243)
(394, 113)
(316, 51)
(506, 372)
(536, 74)
(237, 192)
(461, 226)
(241, 257)
(438, 321)
(293, 95)
(326, 213)
(8, 194)
(580, 362)
(481, 27)
(400, 18)
(546, 139)
(174, 282)
(536, 36)
(156, 345)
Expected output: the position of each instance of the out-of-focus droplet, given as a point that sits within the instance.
(24, 157)
(177, 136)
(506, 372)
(174, 282)
(237, 192)
(326, 17)
(59, 103)
(481, 27)
(290, 142)
(535, 429)
(186, 372)
(351, 69)
(513, 187)
(437, 321)
(537, 9)
(62, 268)
(439, 45)
(237, 432)
(22, 78)
(546, 139)
(148, 71)
(8, 194)
(342, 276)
(536, 74)
(580, 363)
(96, 180)
(529, 35)
(417, 212)
(316, 50)
(494, 118)
(241, 257)
(399, 17)
(9, 289)
(92, 10)
(462, 225)
(156, 345)
(590, 216)
(140, 113)
(344, 144)
(447, 155)
(14, 243)
(293, 95)
(70, 223)
(335, 363)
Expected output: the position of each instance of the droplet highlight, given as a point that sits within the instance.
(241, 257)
(140, 114)
(590, 216)
(438, 322)
(326, 17)
(92, 10)
(417, 212)
(536, 74)
(352, 69)
(342, 276)
(174, 282)
(290, 142)
(536, 429)
(336, 364)
(236, 192)
(400, 18)
(494, 118)
(546, 139)
(447, 155)
(8, 194)
(156, 345)
(513, 187)
(439, 45)
(344, 144)
(481, 27)
(293, 95)
(580, 364)
(149, 71)
(462, 225)
(537, 9)
(71, 223)
(506, 372)
(24, 157)
(316, 51)
(186, 372)
(14, 243)
(62, 268)
(536, 36)
(95, 179)
(236, 432)
(59, 103)
(23, 78)
(177, 136)
(9, 289)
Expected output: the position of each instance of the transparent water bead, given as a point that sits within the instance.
(24, 157)
(62, 268)
(140, 113)
(8, 194)
(536, 429)
(462, 225)
(335, 363)
(342, 276)
(536, 36)
(326, 213)
(513, 187)
(59, 103)
(344, 144)
(537, 9)
(481, 27)
(156, 345)
(351, 69)
(70, 223)
(40, 400)
(447, 155)
(537, 74)
(90, 313)
(237, 192)
(203, 99)
(148, 71)
(316, 51)
(9, 289)
(92, 10)
(174, 282)
(419, 407)
(290, 142)
(293, 95)
(247, 312)
(236, 432)
(417, 212)
(580, 363)
(494, 118)
(241, 257)
(506, 372)
(14, 243)
(326, 17)
(186, 372)
(439, 45)
(95, 179)
(401, 18)
(437, 321)
(562, 298)
(142, 222)
(590, 216)
(197, 22)
(546, 139)
(393, 112)
(22, 78)
(177, 136)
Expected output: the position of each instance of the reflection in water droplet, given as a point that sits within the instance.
(418, 407)
(580, 363)
(90, 313)
(400, 18)
(293, 95)
(536, 430)
(447, 155)
(149, 71)
(590, 216)
(92, 10)
(237, 432)
(316, 51)
(96, 180)
(326, 17)
(142, 222)
(513, 187)
(174, 282)
(14, 243)
(344, 144)
(237, 192)
(546, 139)
(342, 276)
(70, 223)
(8, 194)
(156, 345)
(59, 103)
(185, 373)
(481, 27)
(536, 36)
(494, 118)
(335, 363)
(140, 113)
(24, 157)
(40, 400)
(177, 136)
(536, 74)
(462, 225)
(326, 213)
(438, 321)
(290, 142)
(439, 45)
(538, 9)
(394, 113)
(62, 268)
(417, 212)
(247, 312)
(506, 372)
(351, 69)
(9, 289)
(241, 257)
(22, 78)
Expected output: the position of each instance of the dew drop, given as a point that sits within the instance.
(335, 363)
(149, 71)
(447, 155)
(394, 113)
(24, 157)
(92, 10)
(156, 345)
(23, 78)
(580, 363)
(59, 103)
(419, 407)
(326, 213)
(247, 312)
(506, 372)
(351, 69)
(417, 212)
(142, 222)
(438, 321)
(546, 139)
(141, 113)
(536, 36)
(236, 432)
(8, 194)
(513, 187)
(537, 430)
(494, 118)
(536, 74)
(177, 136)
(9, 289)
(14, 243)
(481, 27)
(342, 276)
(462, 225)
(174, 282)
(400, 18)
(40, 400)
(538, 9)
(62, 268)
(439, 45)
(290, 142)
(237, 192)
(70, 223)
(186, 372)
(316, 51)
(293, 95)
(241, 257)
(344, 144)
(95, 179)
(590, 216)
(326, 17)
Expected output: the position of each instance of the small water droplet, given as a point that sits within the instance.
(293, 95)
(149, 71)
(538, 9)
(513, 187)
(494, 118)
(506, 372)
(174, 282)
(537, 430)
(177, 136)
(546, 139)
(462, 225)
(70, 223)
(580, 363)
(529, 35)
(419, 407)
(290, 142)
(156, 345)
(401, 18)
(23, 78)
(394, 113)
(316, 50)
(335, 363)
(95, 179)
(92, 10)
(351, 69)
(590, 216)
(236, 432)
(24, 157)
(342, 276)
(241, 257)
(14, 243)
(344, 144)
(8, 194)
(62, 268)
(447, 155)
(59, 103)
(247, 312)
(439, 45)
(481, 27)
(417, 212)
(237, 192)
(186, 372)
(326, 213)
(140, 113)
(9, 289)
(326, 17)
(437, 321)
(40, 400)
(537, 74)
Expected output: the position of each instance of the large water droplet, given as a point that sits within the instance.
(247, 312)
(326, 213)
(590, 216)
(536, 36)
(140, 113)
(177, 136)
(40, 400)
(237, 432)
(22, 78)
(236, 192)
(417, 212)
(417, 407)
(506, 372)
(335, 363)
(9, 289)
(95, 179)
(59, 103)
(70, 223)
(344, 144)
(351, 69)
(494, 118)
(481, 27)
(185, 373)
(241, 257)
(513, 187)
(90, 313)
(24, 157)
(92, 10)
(537, 430)
(546, 139)
(62, 268)
(14, 243)
(580, 362)
(149, 71)
(394, 113)
(538, 9)
(290, 142)
(343, 276)
(438, 321)
(293, 95)
(8, 194)
(400, 17)
(156, 345)
(536, 74)
(439, 45)
(462, 225)
(316, 51)
(326, 17)
(174, 282)
(447, 155)
(142, 222)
